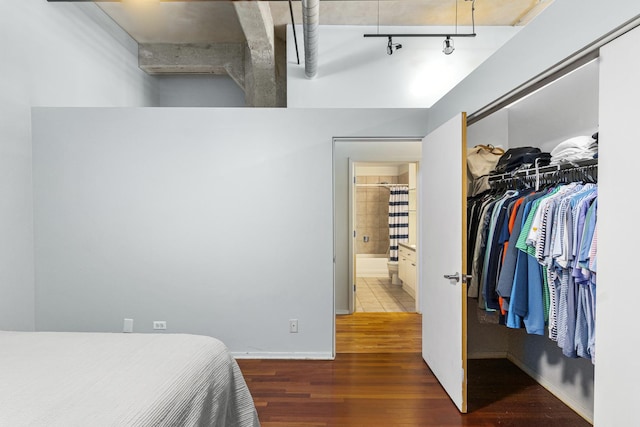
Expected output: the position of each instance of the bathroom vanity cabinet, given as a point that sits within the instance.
(407, 270)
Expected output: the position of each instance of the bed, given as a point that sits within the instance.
(108, 379)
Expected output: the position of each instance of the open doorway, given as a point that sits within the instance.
(355, 331)
(384, 211)
(346, 153)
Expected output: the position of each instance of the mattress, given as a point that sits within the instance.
(108, 379)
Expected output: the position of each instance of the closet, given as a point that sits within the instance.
(566, 108)
(595, 97)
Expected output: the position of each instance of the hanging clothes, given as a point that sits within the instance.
(533, 258)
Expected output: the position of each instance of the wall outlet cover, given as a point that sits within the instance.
(128, 326)
(159, 325)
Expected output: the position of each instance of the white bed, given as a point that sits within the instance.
(103, 379)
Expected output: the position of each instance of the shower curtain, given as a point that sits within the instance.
(398, 219)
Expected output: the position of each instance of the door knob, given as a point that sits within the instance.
(454, 276)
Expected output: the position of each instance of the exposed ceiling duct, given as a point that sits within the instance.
(310, 22)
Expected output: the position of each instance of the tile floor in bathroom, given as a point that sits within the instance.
(377, 294)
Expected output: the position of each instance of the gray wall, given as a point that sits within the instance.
(53, 54)
(219, 221)
(199, 90)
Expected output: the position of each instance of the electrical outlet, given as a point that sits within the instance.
(159, 324)
(128, 325)
(293, 326)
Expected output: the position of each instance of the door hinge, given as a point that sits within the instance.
(354, 288)
(354, 234)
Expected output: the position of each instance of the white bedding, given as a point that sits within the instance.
(103, 379)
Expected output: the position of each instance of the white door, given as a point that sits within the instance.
(443, 253)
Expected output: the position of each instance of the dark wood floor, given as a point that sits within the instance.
(379, 333)
(383, 387)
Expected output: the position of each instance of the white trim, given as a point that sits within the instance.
(283, 355)
(352, 235)
(342, 312)
(487, 355)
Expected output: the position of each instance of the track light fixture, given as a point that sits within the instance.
(447, 46)
(391, 46)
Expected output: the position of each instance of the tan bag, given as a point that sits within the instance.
(482, 159)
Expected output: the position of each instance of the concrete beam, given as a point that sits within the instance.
(205, 58)
(251, 65)
(260, 66)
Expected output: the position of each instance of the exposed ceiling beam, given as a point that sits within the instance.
(260, 77)
(205, 58)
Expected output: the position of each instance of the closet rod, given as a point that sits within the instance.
(531, 172)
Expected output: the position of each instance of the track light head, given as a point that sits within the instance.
(447, 46)
(391, 46)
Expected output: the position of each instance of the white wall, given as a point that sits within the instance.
(492, 130)
(548, 117)
(218, 221)
(354, 71)
(617, 363)
(53, 54)
(569, 379)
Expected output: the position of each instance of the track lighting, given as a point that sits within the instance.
(391, 46)
(447, 46)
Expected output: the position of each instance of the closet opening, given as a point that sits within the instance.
(559, 122)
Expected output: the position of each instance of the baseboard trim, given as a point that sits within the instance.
(283, 355)
(487, 355)
(567, 400)
(342, 312)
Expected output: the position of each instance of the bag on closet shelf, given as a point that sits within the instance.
(482, 159)
(513, 158)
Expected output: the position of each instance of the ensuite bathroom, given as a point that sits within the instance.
(385, 246)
